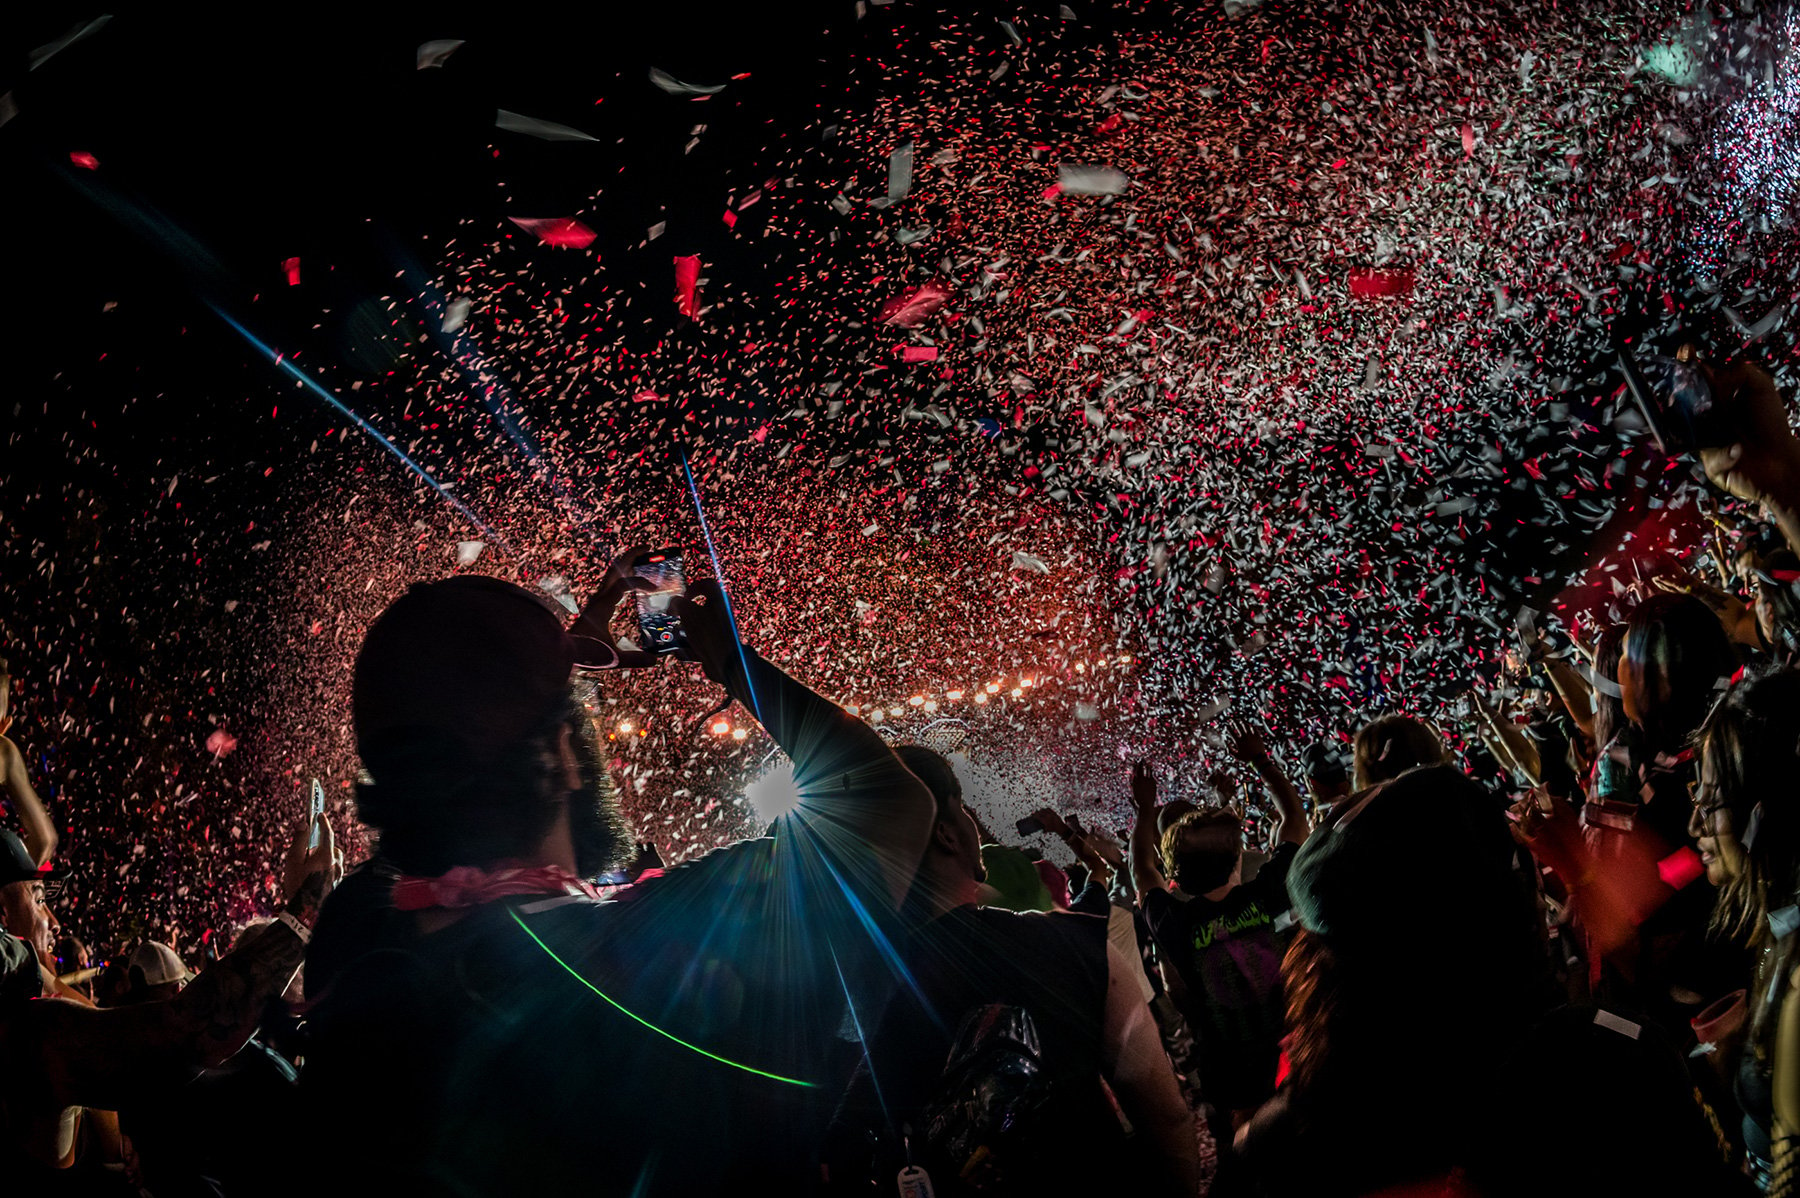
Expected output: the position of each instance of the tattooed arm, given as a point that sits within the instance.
(68, 1056)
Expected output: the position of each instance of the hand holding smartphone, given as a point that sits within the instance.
(315, 828)
(659, 624)
(1675, 397)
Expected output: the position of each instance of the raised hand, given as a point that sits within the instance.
(1248, 746)
(707, 624)
(592, 629)
(307, 875)
(1759, 465)
(1143, 787)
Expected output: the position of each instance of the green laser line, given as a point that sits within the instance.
(711, 1056)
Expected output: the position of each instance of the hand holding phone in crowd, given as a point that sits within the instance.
(663, 582)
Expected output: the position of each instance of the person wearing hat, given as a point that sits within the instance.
(24, 906)
(154, 974)
(1327, 781)
(1420, 1035)
(504, 1028)
(1414, 962)
(63, 1055)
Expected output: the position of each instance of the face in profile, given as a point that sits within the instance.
(1713, 829)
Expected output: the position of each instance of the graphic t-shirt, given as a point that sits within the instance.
(1228, 953)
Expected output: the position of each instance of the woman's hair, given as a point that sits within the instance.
(435, 812)
(1390, 745)
(1752, 743)
(1675, 653)
(1609, 709)
(1381, 1022)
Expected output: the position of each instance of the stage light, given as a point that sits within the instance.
(773, 795)
(739, 733)
(953, 696)
(721, 727)
(625, 726)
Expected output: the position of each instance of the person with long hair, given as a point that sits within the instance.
(1746, 818)
(1415, 946)
(1674, 662)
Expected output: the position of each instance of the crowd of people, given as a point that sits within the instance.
(1550, 950)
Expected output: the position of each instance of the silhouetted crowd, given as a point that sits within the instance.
(1545, 948)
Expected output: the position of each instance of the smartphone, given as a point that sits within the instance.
(1029, 826)
(315, 828)
(1676, 401)
(658, 623)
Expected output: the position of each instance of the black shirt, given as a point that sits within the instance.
(684, 1041)
(1228, 953)
(1052, 964)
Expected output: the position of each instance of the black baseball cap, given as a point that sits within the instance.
(475, 661)
(1322, 762)
(1432, 834)
(16, 864)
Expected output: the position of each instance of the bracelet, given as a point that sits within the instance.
(293, 921)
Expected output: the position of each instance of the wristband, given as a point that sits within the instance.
(293, 921)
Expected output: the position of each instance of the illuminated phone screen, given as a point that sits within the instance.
(658, 622)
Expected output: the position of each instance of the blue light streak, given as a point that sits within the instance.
(374, 433)
(719, 573)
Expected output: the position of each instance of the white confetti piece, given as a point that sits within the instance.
(514, 122)
(675, 87)
(434, 54)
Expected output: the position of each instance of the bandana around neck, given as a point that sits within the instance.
(472, 886)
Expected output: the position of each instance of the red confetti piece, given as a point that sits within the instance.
(1681, 868)
(291, 268)
(220, 742)
(87, 161)
(913, 308)
(1375, 283)
(687, 277)
(919, 353)
(1468, 138)
(564, 232)
(730, 219)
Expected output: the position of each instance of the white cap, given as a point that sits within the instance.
(159, 964)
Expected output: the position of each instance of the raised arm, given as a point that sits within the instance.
(1139, 1072)
(854, 792)
(1519, 749)
(1786, 1099)
(1290, 812)
(1146, 865)
(1763, 462)
(1099, 868)
(1575, 692)
(68, 1055)
(35, 826)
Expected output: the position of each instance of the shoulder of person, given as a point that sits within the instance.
(739, 863)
